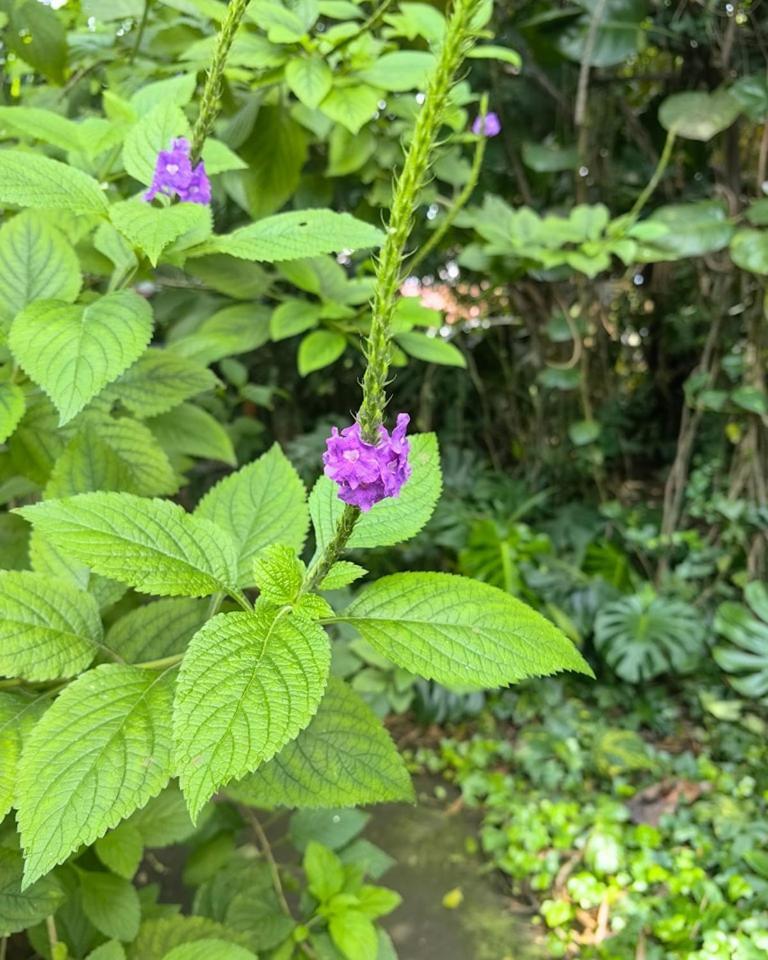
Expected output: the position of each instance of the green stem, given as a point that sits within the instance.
(162, 664)
(458, 39)
(210, 101)
(367, 25)
(458, 204)
(142, 28)
(658, 173)
(407, 188)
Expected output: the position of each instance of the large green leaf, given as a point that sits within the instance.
(74, 351)
(458, 631)
(36, 263)
(152, 545)
(18, 714)
(262, 503)
(152, 229)
(157, 937)
(644, 635)
(749, 250)
(352, 105)
(31, 180)
(159, 381)
(249, 683)
(193, 432)
(693, 229)
(344, 757)
(109, 454)
(32, 123)
(390, 521)
(156, 630)
(745, 656)
(154, 132)
(111, 904)
(206, 949)
(20, 909)
(99, 753)
(48, 629)
(400, 70)
(319, 349)
(296, 234)
(13, 405)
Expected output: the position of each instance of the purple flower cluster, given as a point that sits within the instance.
(367, 473)
(487, 126)
(174, 175)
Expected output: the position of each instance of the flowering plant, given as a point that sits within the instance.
(223, 680)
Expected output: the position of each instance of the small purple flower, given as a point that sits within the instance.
(487, 126)
(367, 473)
(174, 175)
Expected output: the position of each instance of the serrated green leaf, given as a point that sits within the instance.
(249, 683)
(100, 752)
(121, 850)
(18, 715)
(278, 573)
(458, 631)
(193, 432)
(176, 91)
(20, 908)
(36, 263)
(156, 630)
(31, 180)
(354, 935)
(47, 559)
(208, 949)
(152, 229)
(48, 629)
(158, 937)
(344, 757)
(262, 503)
(73, 351)
(111, 904)
(341, 574)
(109, 454)
(152, 545)
(13, 404)
(164, 820)
(390, 521)
(296, 234)
(320, 349)
(309, 79)
(153, 133)
(159, 381)
(32, 123)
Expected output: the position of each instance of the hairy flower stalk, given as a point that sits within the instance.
(458, 39)
(210, 101)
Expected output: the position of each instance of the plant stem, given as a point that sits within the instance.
(142, 28)
(458, 204)
(457, 40)
(162, 663)
(53, 937)
(266, 850)
(658, 173)
(210, 101)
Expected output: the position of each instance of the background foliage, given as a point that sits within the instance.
(587, 338)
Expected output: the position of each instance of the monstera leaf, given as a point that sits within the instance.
(645, 635)
(745, 656)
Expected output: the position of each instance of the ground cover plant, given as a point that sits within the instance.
(255, 258)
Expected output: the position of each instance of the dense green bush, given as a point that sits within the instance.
(573, 302)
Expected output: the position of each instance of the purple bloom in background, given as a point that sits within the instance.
(487, 126)
(367, 473)
(174, 175)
